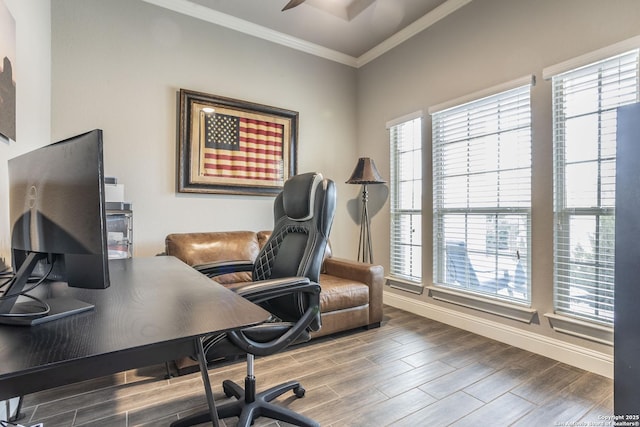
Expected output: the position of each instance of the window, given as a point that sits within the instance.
(584, 113)
(482, 194)
(405, 137)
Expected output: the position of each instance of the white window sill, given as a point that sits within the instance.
(405, 285)
(499, 308)
(580, 328)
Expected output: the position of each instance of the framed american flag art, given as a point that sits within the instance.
(234, 147)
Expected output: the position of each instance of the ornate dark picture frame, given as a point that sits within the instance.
(230, 146)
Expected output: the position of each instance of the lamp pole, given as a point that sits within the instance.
(364, 245)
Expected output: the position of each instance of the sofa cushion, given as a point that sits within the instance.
(338, 293)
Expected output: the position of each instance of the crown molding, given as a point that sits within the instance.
(194, 10)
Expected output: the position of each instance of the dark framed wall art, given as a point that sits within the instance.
(231, 146)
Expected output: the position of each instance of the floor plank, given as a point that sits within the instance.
(411, 371)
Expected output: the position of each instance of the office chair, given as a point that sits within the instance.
(460, 271)
(284, 282)
(520, 278)
(459, 268)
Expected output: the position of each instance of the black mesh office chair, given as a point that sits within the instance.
(285, 282)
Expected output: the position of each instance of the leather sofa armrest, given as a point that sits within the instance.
(370, 274)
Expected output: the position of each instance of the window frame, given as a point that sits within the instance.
(564, 213)
(399, 276)
(447, 291)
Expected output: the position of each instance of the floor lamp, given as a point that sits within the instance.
(365, 173)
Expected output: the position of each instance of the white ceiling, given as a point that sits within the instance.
(352, 32)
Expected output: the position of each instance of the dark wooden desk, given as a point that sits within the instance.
(154, 311)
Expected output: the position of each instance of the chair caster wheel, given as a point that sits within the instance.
(227, 390)
(299, 391)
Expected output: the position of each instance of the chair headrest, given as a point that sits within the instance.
(299, 194)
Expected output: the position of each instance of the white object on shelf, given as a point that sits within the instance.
(114, 192)
(119, 230)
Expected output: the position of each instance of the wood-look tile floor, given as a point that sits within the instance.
(411, 371)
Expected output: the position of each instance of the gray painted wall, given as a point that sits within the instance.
(118, 65)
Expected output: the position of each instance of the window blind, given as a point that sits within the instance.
(406, 199)
(584, 115)
(482, 195)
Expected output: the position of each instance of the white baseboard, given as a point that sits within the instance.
(583, 358)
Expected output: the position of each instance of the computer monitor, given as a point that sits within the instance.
(58, 226)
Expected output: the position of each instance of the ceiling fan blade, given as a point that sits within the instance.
(292, 4)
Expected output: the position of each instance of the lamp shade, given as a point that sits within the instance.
(365, 173)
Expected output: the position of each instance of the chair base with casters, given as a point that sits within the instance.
(251, 405)
(262, 340)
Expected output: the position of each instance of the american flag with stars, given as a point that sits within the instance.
(239, 147)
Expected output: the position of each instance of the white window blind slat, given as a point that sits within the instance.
(482, 195)
(405, 137)
(584, 114)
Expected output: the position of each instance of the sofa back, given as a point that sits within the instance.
(206, 247)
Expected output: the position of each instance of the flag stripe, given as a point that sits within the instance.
(257, 155)
(257, 150)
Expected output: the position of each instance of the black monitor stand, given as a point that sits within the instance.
(34, 311)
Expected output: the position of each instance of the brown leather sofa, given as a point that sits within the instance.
(351, 294)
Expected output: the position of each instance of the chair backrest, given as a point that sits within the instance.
(303, 215)
(459, 268)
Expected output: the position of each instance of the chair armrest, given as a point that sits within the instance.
(218, 268)
(369, 274)
(265, 290)
(262, 291)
